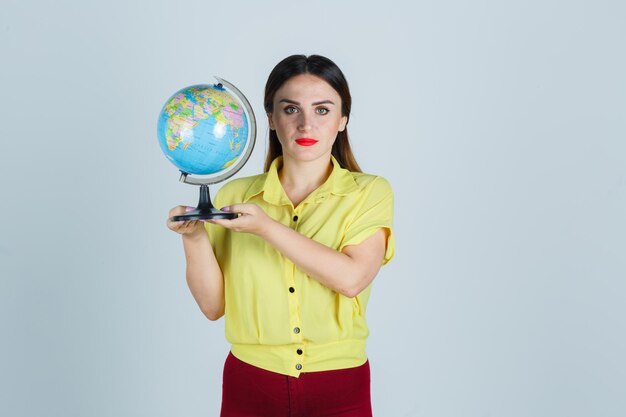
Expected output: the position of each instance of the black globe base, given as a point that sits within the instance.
(205, 209)
(199, 214)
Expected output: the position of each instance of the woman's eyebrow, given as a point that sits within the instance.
(317, 103)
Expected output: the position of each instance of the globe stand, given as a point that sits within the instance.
(205, 209)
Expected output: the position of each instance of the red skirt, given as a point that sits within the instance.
(254, 392)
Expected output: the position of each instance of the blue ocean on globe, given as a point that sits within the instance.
(202, 129)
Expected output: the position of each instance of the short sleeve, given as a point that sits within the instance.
(374, 211)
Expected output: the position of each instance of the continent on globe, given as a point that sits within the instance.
(202, 129)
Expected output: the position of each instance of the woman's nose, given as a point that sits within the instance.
(304, 123)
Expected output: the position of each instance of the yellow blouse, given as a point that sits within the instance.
(277, 317)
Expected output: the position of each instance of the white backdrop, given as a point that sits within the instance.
(500, 126)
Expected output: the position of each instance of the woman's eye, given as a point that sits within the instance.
(290, 110)
(322, 110)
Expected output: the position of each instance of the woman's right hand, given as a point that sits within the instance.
(185, 228)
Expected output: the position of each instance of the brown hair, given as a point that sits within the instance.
(327, 70)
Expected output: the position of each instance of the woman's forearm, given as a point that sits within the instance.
(334, 269)
(204, 276)
(347, 272)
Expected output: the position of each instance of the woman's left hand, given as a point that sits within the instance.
(252, 219)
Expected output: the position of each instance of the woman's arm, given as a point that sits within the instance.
(204, 276)
(348, 272)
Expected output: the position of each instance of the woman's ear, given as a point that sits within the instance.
(269, 120)
(343, 123)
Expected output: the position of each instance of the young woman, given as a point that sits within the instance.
(292, 274)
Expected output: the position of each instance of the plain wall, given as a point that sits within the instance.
(500, 125)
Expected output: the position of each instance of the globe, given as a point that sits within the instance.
(207, 131)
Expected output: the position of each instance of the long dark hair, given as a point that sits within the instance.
(327, 70)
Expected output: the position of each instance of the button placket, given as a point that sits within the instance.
(294, 305)
(295, 218)
(292, 294)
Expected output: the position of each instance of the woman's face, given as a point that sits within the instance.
(307, 117)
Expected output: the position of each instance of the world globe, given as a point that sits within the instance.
(207, 131)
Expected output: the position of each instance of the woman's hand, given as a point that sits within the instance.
(185, 228)
(252, 219)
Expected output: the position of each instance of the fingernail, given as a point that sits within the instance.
(188, 209)
(225, 208)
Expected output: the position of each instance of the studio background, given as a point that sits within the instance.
(500, 126)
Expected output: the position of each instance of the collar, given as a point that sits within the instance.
(339, 182)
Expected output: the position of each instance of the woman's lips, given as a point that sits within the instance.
(306, 141)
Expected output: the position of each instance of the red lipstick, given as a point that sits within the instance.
(306, 141)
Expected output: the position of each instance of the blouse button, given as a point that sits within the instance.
(296, 330)
(295, 218)
(299, 351)
(292, 289)
(298, 367)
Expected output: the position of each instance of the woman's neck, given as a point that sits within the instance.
(299, 179)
